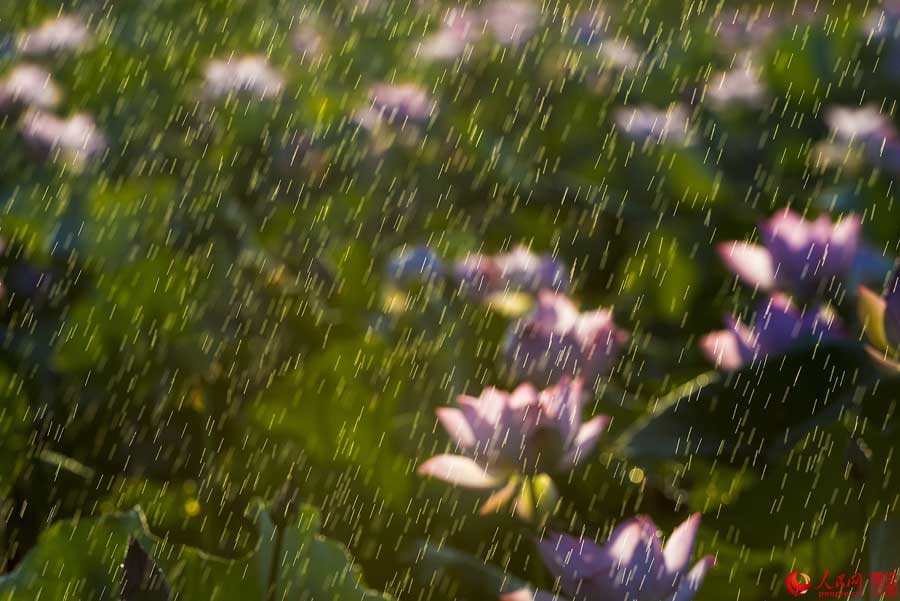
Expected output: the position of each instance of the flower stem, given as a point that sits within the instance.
(272, 584)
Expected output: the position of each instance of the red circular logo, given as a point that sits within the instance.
(798, 583)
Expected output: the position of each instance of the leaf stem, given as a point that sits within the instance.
(272, 586)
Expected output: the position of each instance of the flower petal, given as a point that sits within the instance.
(586, 440)
(845, 237)
(871, 310)
(725, 349)
(459, 471)
(750, 262)
(500, 498)
(457, 427)
(690, 585)
(571, 559)
(680, 546)
(892, 309)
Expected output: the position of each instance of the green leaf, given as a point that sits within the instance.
(340, 407)
(142, 580)
(84, 558)
(884, 553)
(760, 409)
(460, 575)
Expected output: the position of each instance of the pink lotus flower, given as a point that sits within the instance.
(307, 41)
(65, 33)
(399, 104)
(739, 29)
(778, 328)
(860, 133)
(796, 254)
(517, 271)
(75, 140)
(740, 87)
(866, 125)
(250, 75)
(648, 124)
(459, 30)
(633, 565)
(511, 21)
(28, 86)
(526, 431)
(555, 339)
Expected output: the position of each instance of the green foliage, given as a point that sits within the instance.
(84, 557)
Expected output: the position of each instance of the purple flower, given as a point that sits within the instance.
(796, 254)
(555, 339)
(523, 270)
(747, 30)
(517, 271)
(869, 134)
(28, 86)
(620, 54)
(62, 34)
(397, 104)
(418, 263)
(307, 41)
(458, 31)
(75, 140)
(739, 87)
(589, 28)
(866, 125)
(243, 75)
(526, 431)
(478, 275)
(881, 23)
(778, 328)
(511, 21)
(633, 565)
(647, 123)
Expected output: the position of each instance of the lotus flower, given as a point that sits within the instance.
(511, 21)
(517, 271)
(796, 254)
(649, 124)
(556, 339)
(739, 29)
(459, 29)
(881, 314)
(250, 75)
(778, 328)
(526, 431)
(417, 263)
(737, 88)
(881, 22)
(860, 134)
(478, 275)
(307, 41)
(589, 28)
(865, 124)
(75, 140)
(65, 33)
(399, 104)
(28, 86)
(633, 565)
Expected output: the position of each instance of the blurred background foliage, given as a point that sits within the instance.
(200, 318)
